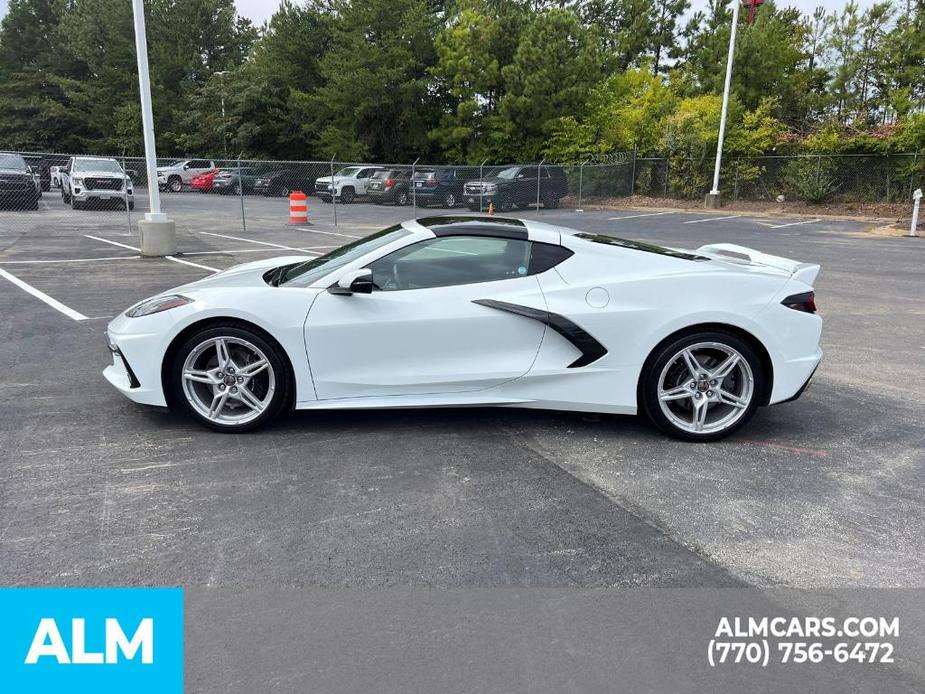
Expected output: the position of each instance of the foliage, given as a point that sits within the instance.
(811, 179)
(468, 80)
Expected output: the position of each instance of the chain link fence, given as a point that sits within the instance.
(231, 196)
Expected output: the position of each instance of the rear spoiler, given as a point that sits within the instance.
(805, 272)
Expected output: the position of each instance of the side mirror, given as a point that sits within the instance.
(354, 282)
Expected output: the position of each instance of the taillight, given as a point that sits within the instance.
(389, 182)
(805, 302)
(431, 181)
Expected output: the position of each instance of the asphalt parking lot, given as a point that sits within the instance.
(826, 491)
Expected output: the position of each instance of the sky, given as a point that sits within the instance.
(259, 11)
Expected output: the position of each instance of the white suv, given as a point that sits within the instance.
(349, 182)
(180, 173)
(95, 179)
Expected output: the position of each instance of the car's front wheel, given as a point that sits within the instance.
(175, 183)
(702, 386)
(230, 378)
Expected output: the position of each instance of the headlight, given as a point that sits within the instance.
(491, 188)
(157, 304)
(78, 181)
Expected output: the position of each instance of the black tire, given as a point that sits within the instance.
(666, 352)
(402, 198)
(551, 202)
(283, 191)
(347, 195)
(76, 204)
(175, 184)
(282, 396)
(449, 200)
(33, 204)
(65, 197)
(505, 204)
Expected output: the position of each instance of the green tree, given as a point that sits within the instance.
(376, 101)
(556, 64)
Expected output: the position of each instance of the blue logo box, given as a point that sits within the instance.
(97, 640)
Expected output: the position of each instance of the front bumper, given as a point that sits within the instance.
(84, 195)
(135, 371)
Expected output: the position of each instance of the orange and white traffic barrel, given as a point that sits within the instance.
(298, 208)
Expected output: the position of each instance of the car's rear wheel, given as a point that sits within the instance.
(449, 200)
(703, 386)
(402, 199)
(230, 378)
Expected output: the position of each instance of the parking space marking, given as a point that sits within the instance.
(261, 243)
(714, 219)
(330, 233)
(42, 296)
(635, 216)
(69, 260)
(795, 224)
(168, 257)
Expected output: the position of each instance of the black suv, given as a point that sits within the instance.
(517, 186)
(17, 185)
(440, 186)
(389, 185)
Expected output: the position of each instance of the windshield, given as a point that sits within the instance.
(348, 171)
(12, 161)
(509, 174)
(312, 270)
(107, 165)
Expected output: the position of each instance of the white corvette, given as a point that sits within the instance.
(461, 311)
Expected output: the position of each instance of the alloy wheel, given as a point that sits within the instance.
(228, 380)
(706, 388)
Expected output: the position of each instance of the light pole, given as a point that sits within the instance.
(713, 197)
(222, 73)
(158, 233)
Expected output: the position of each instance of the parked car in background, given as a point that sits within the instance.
(203, 182)
(389, 186)
(441, 186)
(42, 169)
(517, 186)
(17, 185)
(281, 182)
(347, 184)
(97, 180)
(180, 173)
(231, 180)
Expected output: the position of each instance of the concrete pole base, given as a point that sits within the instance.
(158, 238)
(712, 201)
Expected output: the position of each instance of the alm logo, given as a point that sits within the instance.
(48, 643)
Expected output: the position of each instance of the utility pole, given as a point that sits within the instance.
(158, 233)
(713, 197)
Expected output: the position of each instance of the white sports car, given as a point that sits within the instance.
(462, 311)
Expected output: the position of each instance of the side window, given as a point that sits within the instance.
(452, 260)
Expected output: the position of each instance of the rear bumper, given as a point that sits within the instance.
(791, 378)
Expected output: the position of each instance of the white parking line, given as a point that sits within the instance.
(634, 216)
(714, 219)
(260, 243)
(795, 224)
(69, 260)
(329, 233)
(169, 257)
(42, 296)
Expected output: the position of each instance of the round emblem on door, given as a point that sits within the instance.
(597, 297)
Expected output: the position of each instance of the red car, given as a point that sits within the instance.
(203, 182)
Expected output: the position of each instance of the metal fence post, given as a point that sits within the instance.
(915, 160)
(414, 194)
(333, 197)
(241, 194)
(667, 174)
(539, 179)
(581, 176)
(128, 212)
(481, 186)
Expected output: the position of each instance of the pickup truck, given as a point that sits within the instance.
(348, 183)
(88, 180)
(180, 173)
